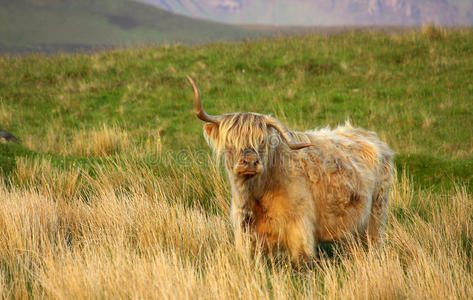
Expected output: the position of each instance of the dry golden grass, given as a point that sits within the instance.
(133, 231)
(103, 141)
(97, 142)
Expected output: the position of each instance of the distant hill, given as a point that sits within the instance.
(68, 25)
(325, 12)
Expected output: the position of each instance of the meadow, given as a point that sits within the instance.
(113, 193)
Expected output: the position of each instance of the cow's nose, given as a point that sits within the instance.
(250, 162)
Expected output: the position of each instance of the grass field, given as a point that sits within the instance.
(113, 193)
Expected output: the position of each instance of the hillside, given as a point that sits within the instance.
(52, 25)
(327, 13)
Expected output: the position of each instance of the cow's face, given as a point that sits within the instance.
(242, 139)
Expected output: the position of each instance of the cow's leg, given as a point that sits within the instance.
(378, 216)
(380, 202)
(300, 240)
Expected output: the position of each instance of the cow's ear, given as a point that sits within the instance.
(211, 130)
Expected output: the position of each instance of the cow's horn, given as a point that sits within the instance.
(286, 134)
(199, 111)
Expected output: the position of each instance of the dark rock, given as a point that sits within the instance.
(8, 136)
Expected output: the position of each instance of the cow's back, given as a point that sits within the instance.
(346, 168)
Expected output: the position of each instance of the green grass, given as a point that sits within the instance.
(413, 88)
(431, 171)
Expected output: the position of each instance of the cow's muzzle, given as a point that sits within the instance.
(248, 165)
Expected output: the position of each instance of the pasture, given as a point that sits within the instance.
(113, 193)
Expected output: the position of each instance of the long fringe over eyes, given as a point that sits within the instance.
(239, 131)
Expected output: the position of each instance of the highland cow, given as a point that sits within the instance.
(293, 189)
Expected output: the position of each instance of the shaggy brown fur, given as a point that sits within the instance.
(294, 189)
(325, 192)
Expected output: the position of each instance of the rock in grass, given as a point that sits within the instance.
(7, 136)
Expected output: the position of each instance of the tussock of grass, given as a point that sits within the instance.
(101, 142)
(42, 175)
(96, 142)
